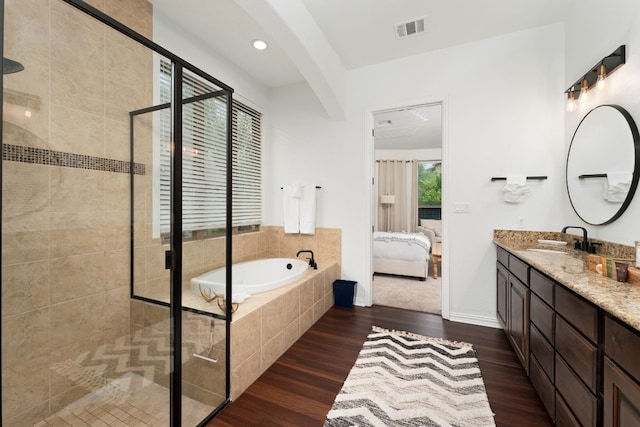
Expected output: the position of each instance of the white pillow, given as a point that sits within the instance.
(434, 224)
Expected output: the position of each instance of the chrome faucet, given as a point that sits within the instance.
(312, 262)
(585, 241)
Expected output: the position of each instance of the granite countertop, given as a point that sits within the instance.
(620, 299)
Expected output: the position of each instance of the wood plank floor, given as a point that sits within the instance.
(299, 389)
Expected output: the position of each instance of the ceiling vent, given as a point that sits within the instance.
(411, 28)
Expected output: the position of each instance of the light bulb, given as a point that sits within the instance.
(259, 44)
(601, 83)
(584, 90)
(571, 102)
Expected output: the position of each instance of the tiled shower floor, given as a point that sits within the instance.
(131, 401)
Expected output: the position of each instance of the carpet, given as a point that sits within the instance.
(408, 294)
(404, 379)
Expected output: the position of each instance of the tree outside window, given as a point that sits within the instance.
(429, 190)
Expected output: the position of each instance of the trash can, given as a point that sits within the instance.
(343, 291)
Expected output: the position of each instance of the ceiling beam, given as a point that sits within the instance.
(291, 25)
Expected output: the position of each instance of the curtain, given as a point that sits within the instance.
(398, 178)
(413, 185)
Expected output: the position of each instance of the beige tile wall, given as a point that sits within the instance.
(152, 280)
(276, 320)
(65, 237)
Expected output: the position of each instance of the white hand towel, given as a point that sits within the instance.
(516, 189)
(617, 186)
(291, 209)
(308, 210)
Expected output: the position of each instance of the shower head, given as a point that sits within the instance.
(10, 66)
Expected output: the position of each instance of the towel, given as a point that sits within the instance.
(516, 189)
(291, 207)
(617, 186)
(308, 210)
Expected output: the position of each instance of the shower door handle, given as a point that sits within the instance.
(168, 260)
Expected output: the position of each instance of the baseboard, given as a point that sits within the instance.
(471, 319)
(360, 303)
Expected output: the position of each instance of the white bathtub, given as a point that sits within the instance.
(252, 277)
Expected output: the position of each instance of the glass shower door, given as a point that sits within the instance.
(204, 232)
(180, 230)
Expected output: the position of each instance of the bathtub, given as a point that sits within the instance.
(252, 277)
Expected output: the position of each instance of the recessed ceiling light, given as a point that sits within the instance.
(259, 44)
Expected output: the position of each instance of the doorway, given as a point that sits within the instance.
(407, 207)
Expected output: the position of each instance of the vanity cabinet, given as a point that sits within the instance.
(513, 297)
(555, 334)
(621, 402)
(583, 362)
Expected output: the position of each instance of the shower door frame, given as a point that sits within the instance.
(174, 255)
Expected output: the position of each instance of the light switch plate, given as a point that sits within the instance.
(461, 208)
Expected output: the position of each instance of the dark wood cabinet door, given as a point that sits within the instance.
(502, 285)
(621, 397)
(518, 321)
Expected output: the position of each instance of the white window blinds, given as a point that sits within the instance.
(204, 158)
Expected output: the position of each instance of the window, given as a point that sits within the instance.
(429, 190)
(204, 160)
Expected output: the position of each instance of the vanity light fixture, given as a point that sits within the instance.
(571, 102)
(596, 76)
(584, 90)
(259, 44)
(601, 82)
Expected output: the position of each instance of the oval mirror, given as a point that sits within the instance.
(602, 164)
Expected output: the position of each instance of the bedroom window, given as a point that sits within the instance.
(430, 190)
(204, 165)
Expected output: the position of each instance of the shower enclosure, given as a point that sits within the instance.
(115, 192)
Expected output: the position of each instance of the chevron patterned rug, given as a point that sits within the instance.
(404, 379)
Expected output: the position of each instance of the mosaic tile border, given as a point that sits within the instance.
(42, 156)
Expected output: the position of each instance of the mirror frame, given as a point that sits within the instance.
(636, 166)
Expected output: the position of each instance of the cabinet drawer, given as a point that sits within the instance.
(543, 386)
(564, 417)
(579, 353)
(503, 257)
(542, 286)
(622, 345)
(582, 403)
(580, 313)
(519, 269)
(542, 350)
(543, 317)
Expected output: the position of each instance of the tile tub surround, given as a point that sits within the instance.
(263, 328)
(619, 299)
(151, 279)
(267, 324)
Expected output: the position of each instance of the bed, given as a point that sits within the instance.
(404, 254)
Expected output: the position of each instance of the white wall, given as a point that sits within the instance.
(505, 116)
(593, 32)
(304, 145)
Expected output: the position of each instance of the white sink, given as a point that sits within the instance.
(547, 251)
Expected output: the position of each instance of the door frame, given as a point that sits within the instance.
(369, 152)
